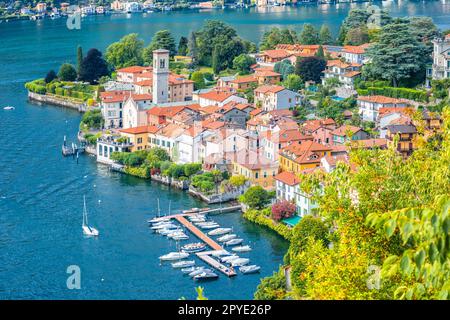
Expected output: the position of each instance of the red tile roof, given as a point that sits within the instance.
(287, 178)
(135, 69)
(269, 88)
(381, 99)
(140, 130)
(342, 130)
(215, 95)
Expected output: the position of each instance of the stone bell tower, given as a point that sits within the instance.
(160, 76)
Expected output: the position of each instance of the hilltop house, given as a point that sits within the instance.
(274, 97)
(345, 72)
(297, 157)
(369, 106)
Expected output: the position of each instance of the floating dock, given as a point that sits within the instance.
(206, 256)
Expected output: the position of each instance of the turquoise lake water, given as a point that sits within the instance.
(41, 192)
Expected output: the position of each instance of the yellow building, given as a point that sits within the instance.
(138, 136)
(300, 156)
(256, 168)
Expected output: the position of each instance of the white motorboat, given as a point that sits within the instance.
(219, 231)
(193, 247)
(183, 264)
(175, 233)
(87, 230)
(226, 238)
(198, 271)
(240, 262)
(8, 108)
(166, 232)
(242, 249)
(158, 219)
(205, 223)
(197, 220)
(234, 242)
(210, 226)
(206, 276)
(174, 256)
(164, 226)
(229, 258)
(189, 269)
(220, 253)
(249, 269)
(180, 237)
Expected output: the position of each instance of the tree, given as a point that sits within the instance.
(183, 46)
(192, 47)
(51, 75)
(397, 56)
(284, 68)
(357, 36)
(243, 62)
(325, 36)
(275, 36)
(192, 168)
(320, 53)
(93, 66)
(424, 30)
(272, 288)
(310, 68)
(162, 39)
(283, 209)
(79, 59)
(126, 52)
(199, 80)
(309, 34)
(256, 197)
(67, 72)
(237, 180)
(92, 119)
(293, 82)
(309, 226)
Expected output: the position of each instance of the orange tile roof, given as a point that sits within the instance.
(269, 88)
(140, 130)
(342, 130)
(122, 96)
(313, 125)
(165, 111)
(288, 178)
(370, 143)
(245, 79)
(351, 74)
(135, 69)
(215, 95)
(266, 73)
(286, 135)
(305, 152)
(171, 130)
(276, 54)
(256, 111)
(356, 49)
(212, 124)
(381, 99)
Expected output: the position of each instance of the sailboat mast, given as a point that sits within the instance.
(85, 218)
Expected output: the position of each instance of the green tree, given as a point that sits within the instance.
(309, 226)
(67, 72)
(93, 66)
(51, 75)
(320, 53)
(309, 34)
(398, 55)
(243, 62)
(183, 46)
(126, 52)
(192, 47)
(92, 119)
(275, 36)
(325, 36)
(79, 58)
(284, 68)
(272, 288)
(293, 82)
(256, 197)
(357, 36)
(237, 180)
(162, 39)
(310, 68)
(199, 80)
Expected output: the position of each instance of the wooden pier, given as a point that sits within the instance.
(197, 232)
(206, 256)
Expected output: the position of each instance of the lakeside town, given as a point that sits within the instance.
(35, 10)
(321, 139)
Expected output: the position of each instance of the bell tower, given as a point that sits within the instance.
(160, 76)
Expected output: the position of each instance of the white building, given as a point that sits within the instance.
(441, 58)
(369, 106)
(160, 76)
(217, 98)
(135, 111)
(288, 188)
(355, 54)
(107, 145)
(189, 144)
(345, 72)
(274, 97)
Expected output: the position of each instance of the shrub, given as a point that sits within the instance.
(283, 209)
(256, 197)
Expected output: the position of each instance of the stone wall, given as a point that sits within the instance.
(56, 101)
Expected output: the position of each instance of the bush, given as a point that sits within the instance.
(283, 209)
(261, 217)
(192, 168)
(256, 197)
(67, 72)
(309, 226)
(92, 119)
(272, 288)
(141, 172)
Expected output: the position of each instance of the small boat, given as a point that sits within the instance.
(220, 253)
(234, 242)
(193, 247)
(166, 232)
(240, 262)
(219, 231)
(175, 233)
(210, 226)
(164, 226)
(205, 223)
(249, 269)
(229, 258)
(181, 237)
(174, 256)
(195, 210)
(242, 249)
(8, 108)
(158, 219)
(189, 269)
(198, 271)
(197, 220)
(226, 238)
(87, 230)
(206, 276)
(183, 264)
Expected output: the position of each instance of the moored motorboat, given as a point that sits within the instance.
(193, 247)
(210, 226)
(229, 258)
(242, 249)
(249, 269)
(226, 238)
(189, 269)
(240, 262)
(166, 232)
(219, 231)
(234, 242)
(199, 270)
(8, 108)
(183, 264)
(206, 276)
(158, 219)
(174, 256)
(180, 237)
(163, 226)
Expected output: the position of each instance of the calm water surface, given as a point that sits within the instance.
(41, 192)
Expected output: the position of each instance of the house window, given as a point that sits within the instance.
(139, 140)
(256, 175)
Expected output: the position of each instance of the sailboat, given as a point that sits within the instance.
(87, 230)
